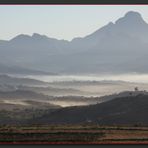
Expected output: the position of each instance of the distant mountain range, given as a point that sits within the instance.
(118, 47)
(13, 69)
(13, 81)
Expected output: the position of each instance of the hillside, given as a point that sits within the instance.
(131, 110)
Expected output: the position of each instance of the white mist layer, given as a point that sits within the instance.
(15, 102)
(139, 78)
(69, 103)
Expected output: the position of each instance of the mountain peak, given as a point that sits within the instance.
(132, 18)
(133, 14)
(20, 37)
(38, 36)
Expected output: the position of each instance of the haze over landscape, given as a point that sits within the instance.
(44, 79)
(112, 49)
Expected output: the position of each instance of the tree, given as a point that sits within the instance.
(136, 89)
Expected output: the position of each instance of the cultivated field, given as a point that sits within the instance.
(73, 134)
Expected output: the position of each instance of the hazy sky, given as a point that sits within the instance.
(61, 21)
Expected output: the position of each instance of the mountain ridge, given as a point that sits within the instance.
(114, 47)
(131, 14)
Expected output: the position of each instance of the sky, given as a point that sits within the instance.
(61, 21)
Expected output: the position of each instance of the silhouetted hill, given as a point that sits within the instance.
(129, 110)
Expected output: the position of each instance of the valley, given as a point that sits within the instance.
(87, 90)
